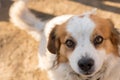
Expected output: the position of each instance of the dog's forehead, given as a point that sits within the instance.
(80, 25)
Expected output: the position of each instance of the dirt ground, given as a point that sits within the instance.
(18, 50)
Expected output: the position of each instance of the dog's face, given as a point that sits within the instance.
(85, 42)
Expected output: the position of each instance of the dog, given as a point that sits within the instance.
(73, 47)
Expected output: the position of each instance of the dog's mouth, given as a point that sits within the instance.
(86, 76)
(83, 75)
(90, 75)
(76, 75)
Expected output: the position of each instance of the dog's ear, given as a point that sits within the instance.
(53, 41)
(115, 39)
(115, 36)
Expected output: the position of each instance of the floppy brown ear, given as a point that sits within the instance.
(53, 41)
(115, 36)
(115, 39)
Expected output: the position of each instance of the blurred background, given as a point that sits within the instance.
(18, 50)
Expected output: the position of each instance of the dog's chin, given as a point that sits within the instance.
(85, 74)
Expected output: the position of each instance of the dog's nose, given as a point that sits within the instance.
(86, 64)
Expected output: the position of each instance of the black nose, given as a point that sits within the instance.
(86, 64)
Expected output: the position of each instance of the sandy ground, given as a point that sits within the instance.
(18, 50)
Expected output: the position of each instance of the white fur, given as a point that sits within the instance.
(81, 30)
(21, 16)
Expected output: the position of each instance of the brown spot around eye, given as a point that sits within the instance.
(105, 28)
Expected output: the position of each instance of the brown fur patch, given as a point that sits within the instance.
(56, 42)
(63, 35)
(105, 28)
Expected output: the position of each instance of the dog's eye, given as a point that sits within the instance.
(70, 43)
(98, 40)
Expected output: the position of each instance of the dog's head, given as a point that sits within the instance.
(85, 42)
